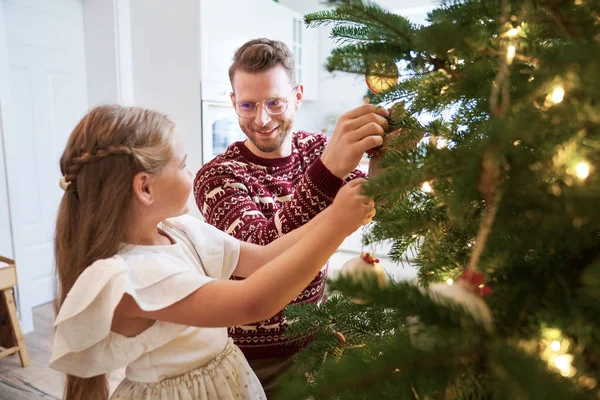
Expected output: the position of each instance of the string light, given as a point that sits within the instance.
(450, 281)
(582, 170)
(426, 187)
(510, 54)
(555, 351)
(512, 32)
(558, 94)
(441, 143)
(563, 363)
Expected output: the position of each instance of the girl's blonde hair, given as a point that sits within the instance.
(109, 146)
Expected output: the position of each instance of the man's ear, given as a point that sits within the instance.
(142, 188)
(232, 97)
(299, 95)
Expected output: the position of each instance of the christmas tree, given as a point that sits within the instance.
(499, 193)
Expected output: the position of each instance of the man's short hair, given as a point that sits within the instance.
(259, 55)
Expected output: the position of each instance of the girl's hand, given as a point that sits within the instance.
(351, 207)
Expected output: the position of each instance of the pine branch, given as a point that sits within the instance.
(363, 12)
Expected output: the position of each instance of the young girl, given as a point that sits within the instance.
(144, 286)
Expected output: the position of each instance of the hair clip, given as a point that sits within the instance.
(64, 183)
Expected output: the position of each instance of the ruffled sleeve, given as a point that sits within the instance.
(84, 344)
(218, 251)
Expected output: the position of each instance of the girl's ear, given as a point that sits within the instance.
(142, 188)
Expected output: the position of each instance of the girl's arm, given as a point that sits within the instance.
(253, 256)
(222, 303)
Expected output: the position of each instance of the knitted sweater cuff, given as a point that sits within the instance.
(322, 178)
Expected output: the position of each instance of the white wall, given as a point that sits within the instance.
(165, 38)
(108, 52)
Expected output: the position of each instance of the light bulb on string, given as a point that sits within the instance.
(441, 143)
(512, 32)
(563, 363)
(426, 187)
(557, 95)
(450, 281)
(582, 170)
(555, 345)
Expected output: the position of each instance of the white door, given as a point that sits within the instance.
(46, 98)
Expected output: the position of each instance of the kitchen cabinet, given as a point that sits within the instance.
(226, 25)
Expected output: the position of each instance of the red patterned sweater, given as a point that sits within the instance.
(257, 200)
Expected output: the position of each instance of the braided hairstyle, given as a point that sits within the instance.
(109, 146)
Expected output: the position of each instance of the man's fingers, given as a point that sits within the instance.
(382, 111)
(366, 109)
(370, 129)
(363, 120)
(369, 142)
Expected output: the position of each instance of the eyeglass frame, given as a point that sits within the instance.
(263, 104)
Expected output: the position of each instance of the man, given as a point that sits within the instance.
(277, 180)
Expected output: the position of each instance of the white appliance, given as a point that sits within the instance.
(220, 126)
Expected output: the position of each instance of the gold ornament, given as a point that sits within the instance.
(382, 76)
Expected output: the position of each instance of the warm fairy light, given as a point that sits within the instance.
(426, 187)
(587, 381)
(558, 94)
(441, 143)
(510, 54)
(582, 170)
(555, 351)
(563, 363)
(517, 142)
(513, 32)
(450, 281)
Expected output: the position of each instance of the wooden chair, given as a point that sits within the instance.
(11, 337)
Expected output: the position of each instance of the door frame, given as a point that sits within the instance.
(8, 130)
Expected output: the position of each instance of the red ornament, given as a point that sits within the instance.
(369, 259)
(474, 281)
(474, 278)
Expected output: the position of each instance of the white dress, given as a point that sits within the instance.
(166, 361)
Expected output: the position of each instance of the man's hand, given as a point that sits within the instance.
(356, 132)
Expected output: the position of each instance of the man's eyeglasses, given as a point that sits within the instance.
(275, 106)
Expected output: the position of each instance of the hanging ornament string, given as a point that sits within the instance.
(500, 95)
(484, 230)
(489, 181)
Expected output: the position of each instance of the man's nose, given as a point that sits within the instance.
(262, 117)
